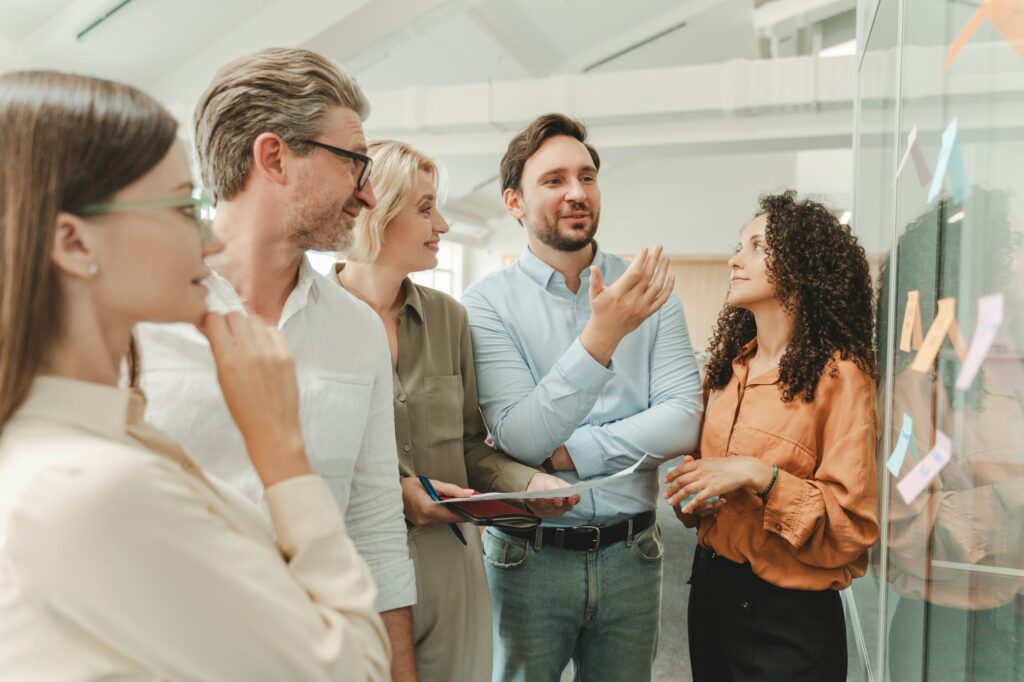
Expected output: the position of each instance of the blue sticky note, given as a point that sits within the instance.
(905, 441)
(951, 160)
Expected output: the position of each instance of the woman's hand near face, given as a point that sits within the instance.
(420, 510)
(710, 477)
(257, 376)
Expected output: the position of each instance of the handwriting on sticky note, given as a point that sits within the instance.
(904, 442)
(990, 318)
(910, 336)
(936, 334)
(951, 160)
(918, 478)
(1006, 15)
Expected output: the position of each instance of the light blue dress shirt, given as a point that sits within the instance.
(539, 388)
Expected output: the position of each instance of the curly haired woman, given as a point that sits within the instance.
(783, 489)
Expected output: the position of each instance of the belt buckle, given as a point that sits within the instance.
(597, 536)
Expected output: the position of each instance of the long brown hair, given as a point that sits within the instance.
(65, 141)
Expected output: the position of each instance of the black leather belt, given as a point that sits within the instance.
(588, 538)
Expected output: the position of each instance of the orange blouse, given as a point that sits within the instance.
(820, 518)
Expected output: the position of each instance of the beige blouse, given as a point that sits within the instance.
(117, 560)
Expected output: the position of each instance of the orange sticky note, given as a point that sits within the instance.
(910, 338)
(1006, 15)
(1008, 18)
(954, 338)
(945, 318)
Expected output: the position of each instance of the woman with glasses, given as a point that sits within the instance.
(441, 435)
(782, 490)
(118, 557)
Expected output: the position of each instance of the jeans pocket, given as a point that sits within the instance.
(504, 552)
(647, 544)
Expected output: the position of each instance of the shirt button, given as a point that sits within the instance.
(745, 606)
(406, 448)
(401, 397)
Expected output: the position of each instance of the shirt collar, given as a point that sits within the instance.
(413, 300)
(98, 408)
(741, 369)
(541, 272)
(223, 298)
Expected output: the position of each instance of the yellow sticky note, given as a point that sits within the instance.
(945, 318)
(910, 338)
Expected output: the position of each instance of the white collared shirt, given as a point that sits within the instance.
(345, 391)
(118, 563)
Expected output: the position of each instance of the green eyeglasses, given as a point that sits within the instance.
(201, 203)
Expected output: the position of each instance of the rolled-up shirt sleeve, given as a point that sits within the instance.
(830, 519)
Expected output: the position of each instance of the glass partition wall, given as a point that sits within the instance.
(939, 201)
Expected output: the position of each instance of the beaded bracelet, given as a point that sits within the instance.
(763, 494)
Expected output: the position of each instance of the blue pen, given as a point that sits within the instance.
(433, 495)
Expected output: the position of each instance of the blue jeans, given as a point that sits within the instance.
(598, 609)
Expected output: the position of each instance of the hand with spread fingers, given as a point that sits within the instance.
(618, 309)
(716, 476)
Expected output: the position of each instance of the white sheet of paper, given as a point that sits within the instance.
(928, 468)
(551, 494)
(990, 318)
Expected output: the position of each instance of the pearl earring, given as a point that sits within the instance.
(92, 269)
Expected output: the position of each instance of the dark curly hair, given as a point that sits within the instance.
(820, 274)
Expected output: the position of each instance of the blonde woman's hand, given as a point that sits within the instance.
(256, 373)
(420, 510)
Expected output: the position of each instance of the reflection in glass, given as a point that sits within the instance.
(956, 552)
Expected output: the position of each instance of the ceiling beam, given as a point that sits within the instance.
(636, 35)
(785, 17)
(800, 102)
(522, 46)
(273, 26)
(64, 24)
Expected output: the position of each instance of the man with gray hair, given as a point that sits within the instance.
(280, 141)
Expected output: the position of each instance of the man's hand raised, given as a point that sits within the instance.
(618, 309)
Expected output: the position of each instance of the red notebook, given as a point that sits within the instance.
(494, 513)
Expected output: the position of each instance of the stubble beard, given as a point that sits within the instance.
(576, 238)
(327, 228)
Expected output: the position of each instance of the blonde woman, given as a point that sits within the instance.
(118, 557)
(438, 425)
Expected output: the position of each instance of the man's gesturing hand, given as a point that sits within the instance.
(618, 309)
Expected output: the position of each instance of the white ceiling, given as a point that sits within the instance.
(411, 50)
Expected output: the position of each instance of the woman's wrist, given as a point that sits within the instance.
(761, 475)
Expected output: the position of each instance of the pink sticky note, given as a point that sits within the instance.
(990, 318)
(928, 468)
(924, 173)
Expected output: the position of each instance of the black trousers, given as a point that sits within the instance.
(743, 628)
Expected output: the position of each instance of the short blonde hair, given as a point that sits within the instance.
(393, 176)
(278, 90)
